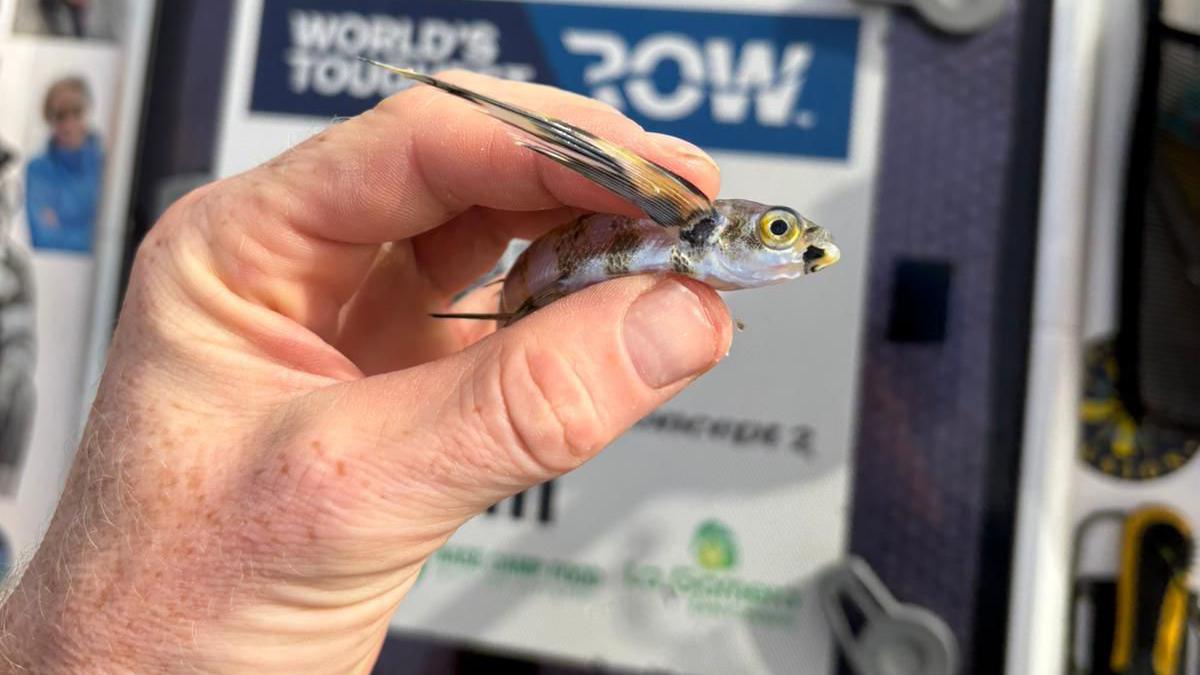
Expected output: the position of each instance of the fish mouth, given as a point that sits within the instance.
(817, 258)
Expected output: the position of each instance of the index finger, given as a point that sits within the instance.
(298, 234)
(422, 156)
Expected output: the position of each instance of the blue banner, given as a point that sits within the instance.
(779, 84)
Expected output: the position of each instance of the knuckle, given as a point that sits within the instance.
(550, 409)
(178, 217)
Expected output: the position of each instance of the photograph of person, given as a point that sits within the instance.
(5, 557)
(62, 184)
(84, 19)
(16, 334)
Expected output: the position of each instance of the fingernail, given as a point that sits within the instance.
(684, 149)
(668, 334)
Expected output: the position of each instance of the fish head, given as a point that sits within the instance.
(760, 244)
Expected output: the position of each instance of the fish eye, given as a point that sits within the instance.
(779, 229)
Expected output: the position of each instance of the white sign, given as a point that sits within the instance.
(691, 543)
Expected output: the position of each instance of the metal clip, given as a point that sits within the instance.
(878, 634)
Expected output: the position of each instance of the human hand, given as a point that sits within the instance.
(282, 435)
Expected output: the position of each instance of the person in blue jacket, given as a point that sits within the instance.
(62, 185)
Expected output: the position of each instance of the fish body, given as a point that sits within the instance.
(734, 255)
(729, 244)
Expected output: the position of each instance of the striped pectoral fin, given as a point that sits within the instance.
(668, 198)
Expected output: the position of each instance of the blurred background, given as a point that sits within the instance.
(977, 453)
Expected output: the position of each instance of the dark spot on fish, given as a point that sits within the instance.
(697, 234)
(813, 254)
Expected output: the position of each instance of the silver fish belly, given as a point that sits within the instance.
(584, 252)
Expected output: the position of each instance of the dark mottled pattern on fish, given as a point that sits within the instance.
(680, 263)
(618, 258)
(740, 235)
(568, 249)
(738, 238)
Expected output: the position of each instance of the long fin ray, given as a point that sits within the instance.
(665, 196)
(479, 316)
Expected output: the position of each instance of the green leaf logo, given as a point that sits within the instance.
(714, 547)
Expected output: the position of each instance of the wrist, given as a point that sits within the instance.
(94, 597)
(40, 632)
(86, 611)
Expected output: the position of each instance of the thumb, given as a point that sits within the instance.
(540, 397)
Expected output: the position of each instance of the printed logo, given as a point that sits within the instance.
(527, 572)
(713, 546)
(760, 75)
(709, 588)
(754, 82)
(322, 55)
(308, 49)
(757, 82)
